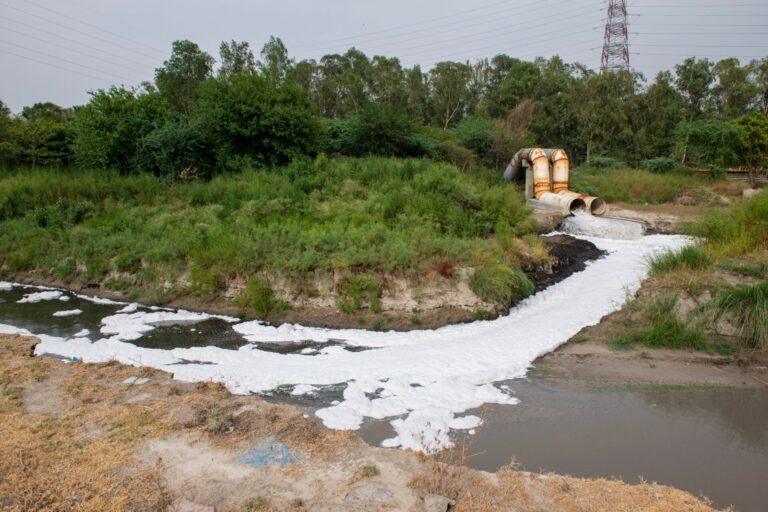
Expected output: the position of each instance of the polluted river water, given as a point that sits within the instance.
(420, 389)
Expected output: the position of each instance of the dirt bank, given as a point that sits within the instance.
(442, 300)
(113, 437)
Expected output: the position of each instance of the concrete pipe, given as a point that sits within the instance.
(592, 204)
(564, 202)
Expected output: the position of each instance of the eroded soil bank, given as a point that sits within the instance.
(443, 300)
(114, 437)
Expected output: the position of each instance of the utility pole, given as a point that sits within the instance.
(616, 39)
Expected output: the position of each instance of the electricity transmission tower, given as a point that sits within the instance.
(616, 39)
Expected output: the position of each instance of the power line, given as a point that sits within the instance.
(69, 39)
(410, 25)
(59, 45)
(79, 31)
(94, 26)
(65, 60)
(25, 57)
(692, 55)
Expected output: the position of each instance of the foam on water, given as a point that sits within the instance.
(423, 381)
(584, 224)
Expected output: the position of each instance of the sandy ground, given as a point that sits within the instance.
(93, 437)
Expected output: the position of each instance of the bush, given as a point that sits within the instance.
(475, 134)
(260, 297)
(174, 152)
(499, 283)
(710, 142)
(353, 290)
(659, 165)
(380, 131)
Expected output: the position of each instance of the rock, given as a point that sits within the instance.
(437, 503)
(370, 497)
(184, 505)
(750, 192)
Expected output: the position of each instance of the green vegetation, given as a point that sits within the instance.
(500, 283)
(737, 231)
(260, 298)
(747, 306)
(635, 185)
(360, 217)
(691, 257)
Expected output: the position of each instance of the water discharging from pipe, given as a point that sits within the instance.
(583, 224)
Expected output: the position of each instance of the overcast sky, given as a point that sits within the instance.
(57, 50)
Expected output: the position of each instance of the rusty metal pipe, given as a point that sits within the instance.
(592, 204)
(541, 181)
(560, 165)
(567, 203)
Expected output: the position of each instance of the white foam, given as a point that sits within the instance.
(68, 312)
(304, 389)
(5, 286)
(424, 380)
(584, 224)
(82, 334)
(32, 298)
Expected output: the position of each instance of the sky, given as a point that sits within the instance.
(58, 50)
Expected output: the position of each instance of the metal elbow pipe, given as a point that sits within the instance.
(540, 161)
(560, 165)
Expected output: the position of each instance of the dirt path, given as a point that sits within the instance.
(113, 437)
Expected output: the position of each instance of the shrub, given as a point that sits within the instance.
(261, 298)
(175, 152)
(501, 284)
(380, 131)
(659, 165)
(737, 230)
(475, 134)
(354, 289)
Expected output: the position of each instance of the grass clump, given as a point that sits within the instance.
(356, 289)
(747, 306)
(365, 471)
(260, 298)
(691, 257)
(500, 283)
(255, 504)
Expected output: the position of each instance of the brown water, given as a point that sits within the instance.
(711, 443)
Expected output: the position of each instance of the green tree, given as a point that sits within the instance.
(709, 142)
(734, 92)
(250, 116)
(235, 58)
(110, 127)
(8, 147)
(387, 85)
(760, 76)
(176, 151)
(179, 79)
(522, 82)
(694, 79)
(657, 111)
(448, 92)
(418, 95)
(275, 62)
(378, 130)
(754, 141)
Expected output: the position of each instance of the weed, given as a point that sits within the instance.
(354, 289)
(415, 320)
(483, 314)
(261, 299)
(691, 257)
(635, 186)
(254, 504)
(580, 338)
(365, 471)
(747, 306)
(745, 268)
(378, 324)
(500, 283)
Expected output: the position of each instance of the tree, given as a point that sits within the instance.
(235, 58)
(522, 82)
(8, 147)
(509, 133)
(275, 63)
(110, 127)
(176, 151)
(656, 113)
(694, 80)
(417, 90)
(379, 130)
(180, 76)
(250, 116)
(734, 93)
(709, 142)
(387, 85)
(760, 76)
(448, 87)
(754, 142)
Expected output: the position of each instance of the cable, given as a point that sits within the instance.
(54, 65)
(59, 45)
(78, 31)
(94, 26)
(704, 45)
(690, 55)
(65, 60)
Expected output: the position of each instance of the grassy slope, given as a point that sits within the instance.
(368, 217)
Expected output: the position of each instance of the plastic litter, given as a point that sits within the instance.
(270, 453)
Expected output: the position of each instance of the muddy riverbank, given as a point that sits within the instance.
(113, 437)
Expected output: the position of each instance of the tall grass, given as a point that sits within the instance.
(691, 257)
(747, 307)
(360, 216)
(635, 186)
